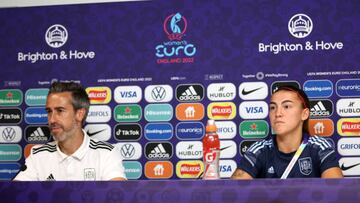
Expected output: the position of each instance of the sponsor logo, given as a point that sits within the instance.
(10, 134)
(10, 152)
(189, 150)
(253, 110)
(193, 92)
(158, 93)
(98, 114)
(348, 87)
(227, 168)
(56, 36)
(348, 127)
(11, 97)
(158, 169)
(254, 129)
(300, 25)
(127, 94)
(27, 149)
(189, 130)
(36, 97)
(131, 131)
(275, 85)
(99, 95)
(321, 127)
(321, 108)
(89, 174)
(221, 110)
(318, 88)
(350, 166)
(100, 132)
(10, 116)
(176, 50)
(127, 113)
(130, 150)
(221, 91)
(244, 146)
(253, 90)
(305, 165)
(36, 115)
(8, 170)
(133, 169)
(189, 169)
(158, 112)
(37, 134)
(158, 131)
(190, 111)
(349, 146)
(348, 107)
(226, 129)
(228, 149)
(158, 150)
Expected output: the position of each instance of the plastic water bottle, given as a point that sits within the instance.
(211, 152)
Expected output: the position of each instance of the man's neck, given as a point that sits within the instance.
(69, 146)
(289, 143)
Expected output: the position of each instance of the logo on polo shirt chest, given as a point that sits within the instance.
(89, 174)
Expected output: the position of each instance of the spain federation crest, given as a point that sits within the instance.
(305, 165)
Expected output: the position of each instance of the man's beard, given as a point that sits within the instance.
(62, 136)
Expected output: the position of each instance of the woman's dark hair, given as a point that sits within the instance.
(304, 100)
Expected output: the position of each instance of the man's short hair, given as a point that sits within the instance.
(304, 100)
(80, 98)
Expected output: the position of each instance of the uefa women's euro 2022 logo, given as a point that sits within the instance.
(300, 25)
(175, 26)
(176, 50)
(56, 36)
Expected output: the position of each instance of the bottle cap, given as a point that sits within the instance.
(211, 127)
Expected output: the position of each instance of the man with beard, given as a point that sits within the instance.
(73, 155)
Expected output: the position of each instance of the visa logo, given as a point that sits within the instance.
(128, 94)
(254, 110)
(225, 168)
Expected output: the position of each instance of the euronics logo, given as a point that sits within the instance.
(11, 97)
(348, 87)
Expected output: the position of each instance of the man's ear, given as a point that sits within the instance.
(305, 114)
(80, 114)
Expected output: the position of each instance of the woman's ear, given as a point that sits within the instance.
(305, 114)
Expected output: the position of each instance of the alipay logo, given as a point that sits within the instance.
(56, 36)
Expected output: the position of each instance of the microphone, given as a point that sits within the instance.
(22, 168)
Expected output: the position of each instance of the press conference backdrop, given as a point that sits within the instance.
(156, 71)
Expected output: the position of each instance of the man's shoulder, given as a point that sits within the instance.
(47, 148)
(319, 143)
(100, 145)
